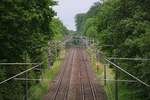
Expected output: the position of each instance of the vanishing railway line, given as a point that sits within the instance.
(75, 81)
(88, 91)
(60, 89)
(89, 84)
(66, 79)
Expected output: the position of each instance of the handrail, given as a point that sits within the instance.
(20, 73)
(136, 59)
(19, 63)
(134, 77)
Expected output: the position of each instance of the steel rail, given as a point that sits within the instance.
(60, 80)
(69, 76)
(80, 74)
(90, 83)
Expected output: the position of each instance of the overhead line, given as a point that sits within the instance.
(19, 63)
(127, 73)
(20, 73)
(136, 59)
(24, 79)
(119, 80)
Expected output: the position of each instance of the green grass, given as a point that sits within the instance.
(124, 92)
(38, 91)
(109, 88)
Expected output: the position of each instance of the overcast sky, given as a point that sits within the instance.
(67, 9)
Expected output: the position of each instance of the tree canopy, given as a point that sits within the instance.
(26, 26)
(125, 24)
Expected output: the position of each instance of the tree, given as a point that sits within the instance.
(124, 24)
(24, 31)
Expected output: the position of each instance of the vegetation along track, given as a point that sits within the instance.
(76, 80)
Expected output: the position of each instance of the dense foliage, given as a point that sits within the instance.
(58, 29)
(26, 26)
(125, 24)
(87, 22)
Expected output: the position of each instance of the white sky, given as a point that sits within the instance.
(67, 9)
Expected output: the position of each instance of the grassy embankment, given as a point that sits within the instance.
(38, 91)
(98, 67)
(124, 92)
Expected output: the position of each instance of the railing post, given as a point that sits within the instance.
(116, 84)
(26, 85)
(49, 54)
(49, 59)
(105, 74)
(26, 77)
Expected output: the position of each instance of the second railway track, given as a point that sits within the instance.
(88, 88)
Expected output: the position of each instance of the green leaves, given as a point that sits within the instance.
(58, 28)
(24, 27)
(125, 24)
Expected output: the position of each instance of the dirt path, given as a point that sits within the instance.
(76, 80)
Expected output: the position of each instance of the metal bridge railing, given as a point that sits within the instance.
(25, 68)
(20, 76)
(117, 70)
(8, 79)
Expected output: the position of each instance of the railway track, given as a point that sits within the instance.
(76, 80)
(88, 88)
(95, 85)
(60, 89)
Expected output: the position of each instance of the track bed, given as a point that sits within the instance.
(76, 80)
